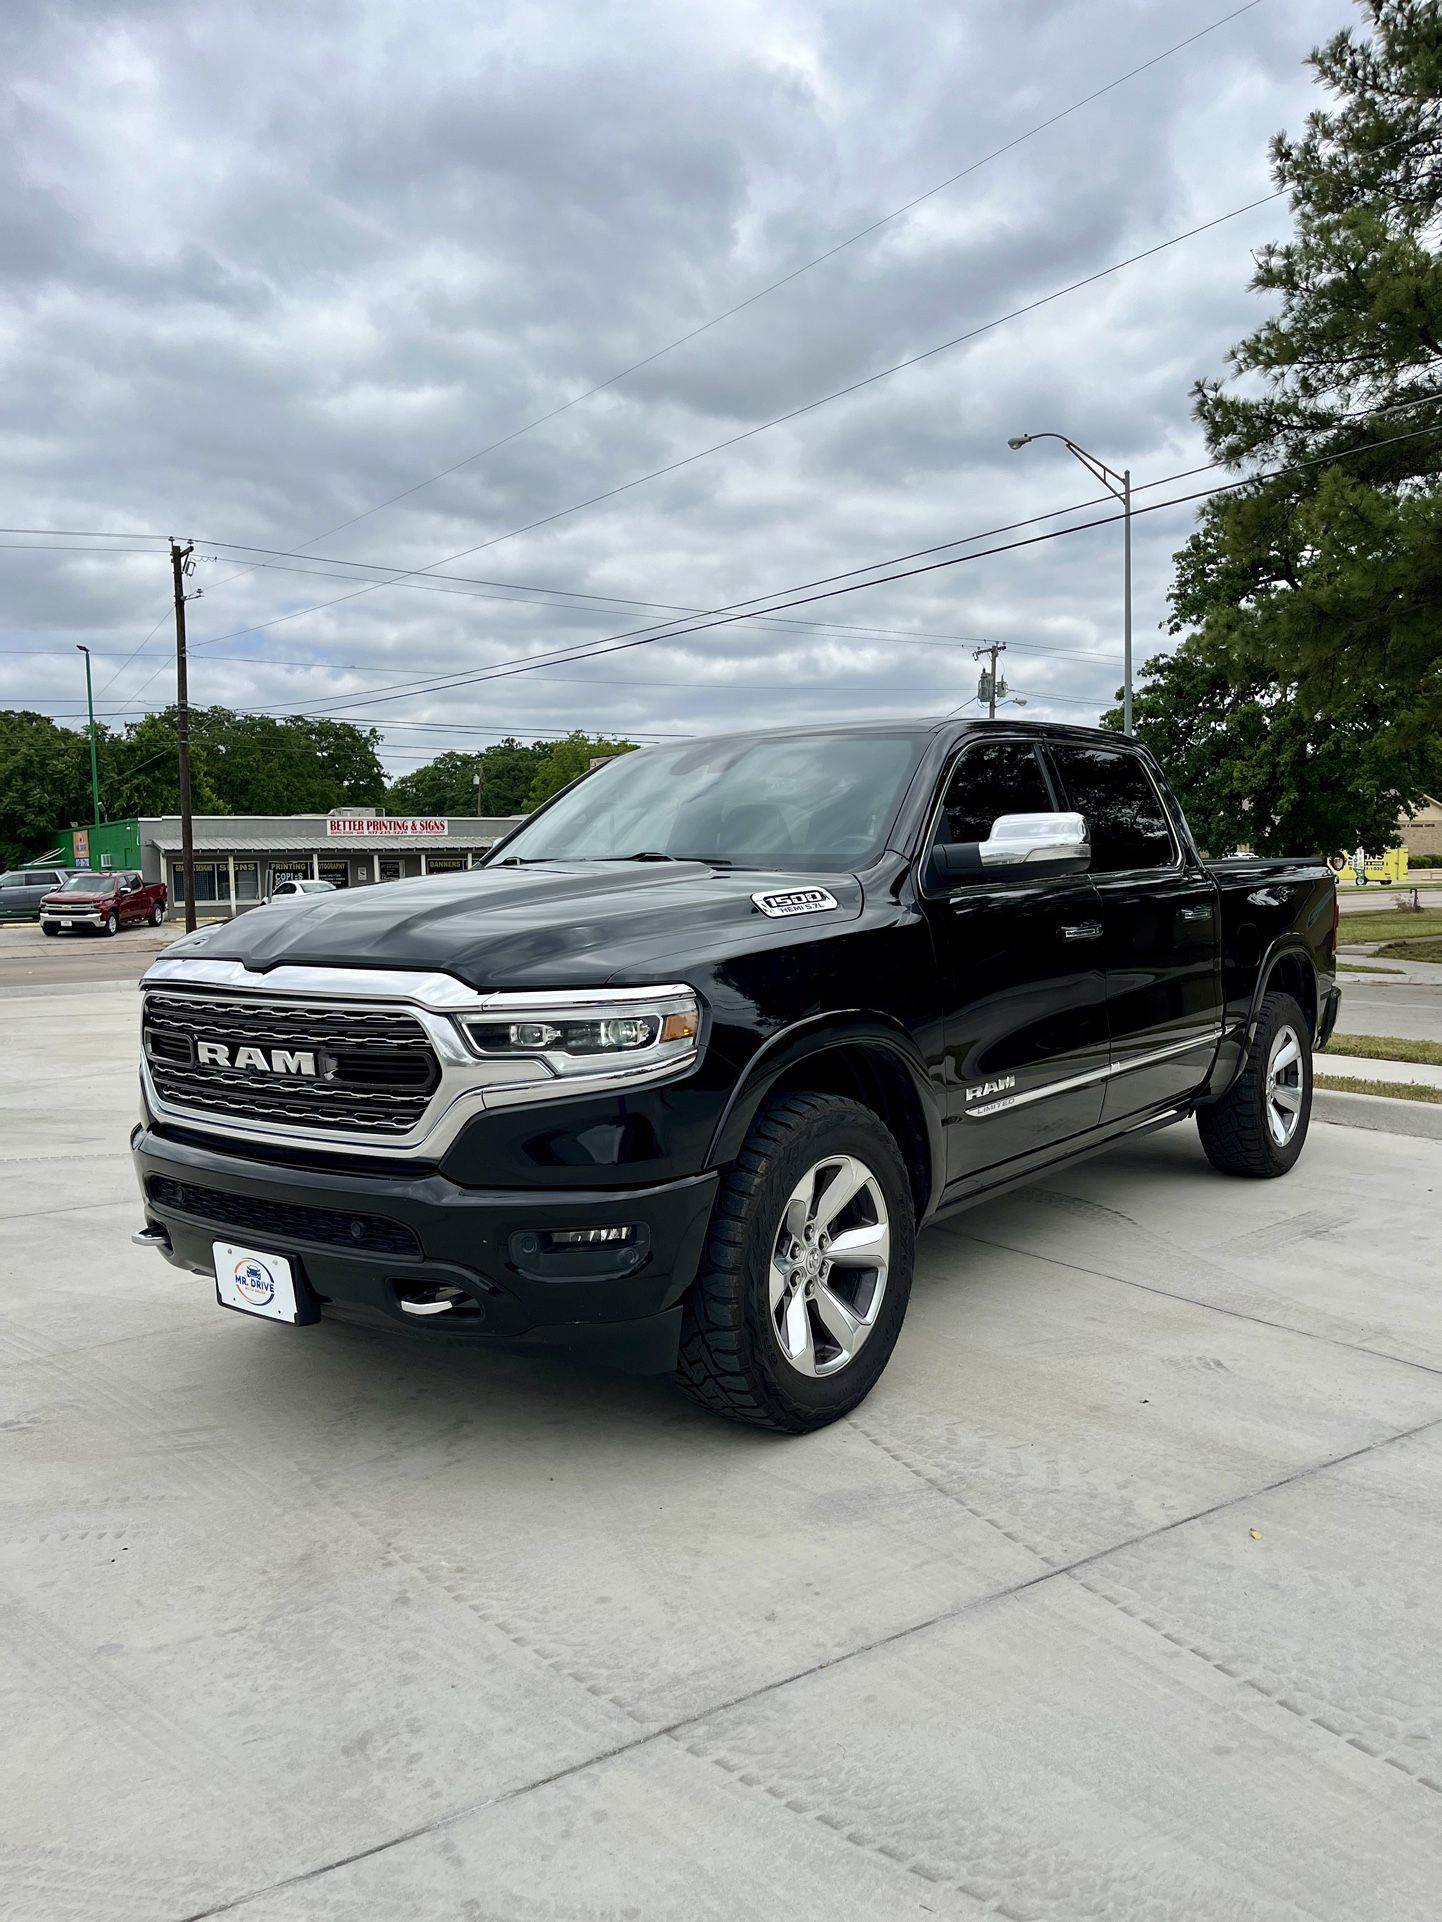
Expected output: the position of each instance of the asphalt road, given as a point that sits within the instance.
(30, 959)
(1370, 900)
(1411, 1012)
(1115, 1602)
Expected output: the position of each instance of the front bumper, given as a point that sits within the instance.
(75, 917)
(489, 1245)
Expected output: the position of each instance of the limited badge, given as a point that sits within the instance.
(795, 901)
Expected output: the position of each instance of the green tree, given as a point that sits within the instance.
(443, 786)
(243, 764)
(569, 759)
(448, 784)
(1321, 587)
(507, 771)
(1255, 766)
(44, 783)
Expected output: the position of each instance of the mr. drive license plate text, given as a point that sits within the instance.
(255, 1282)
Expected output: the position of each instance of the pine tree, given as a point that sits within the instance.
(1317, 595)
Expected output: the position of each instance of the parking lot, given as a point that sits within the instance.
(1117, 1599)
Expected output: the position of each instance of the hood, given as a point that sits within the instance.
(561, 925)
(56, 899)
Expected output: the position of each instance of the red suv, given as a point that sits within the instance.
(104, 903)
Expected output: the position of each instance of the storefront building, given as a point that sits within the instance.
(240, 857)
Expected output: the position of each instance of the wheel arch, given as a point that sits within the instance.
(1288, 965)
(865, 1058)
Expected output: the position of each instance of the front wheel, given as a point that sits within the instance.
(46, 928)
(111, 923)
(1259, 1125)
(807, 1269)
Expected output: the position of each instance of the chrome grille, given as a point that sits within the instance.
(378, 1070)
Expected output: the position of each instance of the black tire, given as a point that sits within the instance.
(731, 1359)
(1236, 1131)
(45, 928)
(157, 916)
(111, 923)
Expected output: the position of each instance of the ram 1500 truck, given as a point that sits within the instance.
(686, 1064)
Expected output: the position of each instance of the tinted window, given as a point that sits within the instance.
(1122, 809)
(777, 801)
(991, 779)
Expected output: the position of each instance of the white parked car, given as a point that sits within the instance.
(284, 891)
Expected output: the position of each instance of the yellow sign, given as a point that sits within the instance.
(1359, 869)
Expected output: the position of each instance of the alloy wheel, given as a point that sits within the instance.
(828, 1265)
(1284, 1086)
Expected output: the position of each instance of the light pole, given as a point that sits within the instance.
(1121, 486)
(94, 763)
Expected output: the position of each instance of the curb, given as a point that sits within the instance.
(1382, 1114)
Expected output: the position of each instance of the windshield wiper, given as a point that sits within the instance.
(651, 854)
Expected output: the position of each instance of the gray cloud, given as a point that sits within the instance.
(268, 267)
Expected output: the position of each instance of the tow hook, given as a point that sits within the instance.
(152, 1237)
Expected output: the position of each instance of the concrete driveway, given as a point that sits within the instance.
(1118, 1599)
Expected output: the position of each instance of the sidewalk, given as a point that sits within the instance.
(1353, 1067)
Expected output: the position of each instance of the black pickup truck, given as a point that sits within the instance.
(686, 1065)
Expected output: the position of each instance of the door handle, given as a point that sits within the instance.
(1194, 914)
(1080, 931)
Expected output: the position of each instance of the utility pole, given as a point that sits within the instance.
(988, 689)
(178, 557)
(94, 764)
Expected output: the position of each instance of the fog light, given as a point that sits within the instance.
(586, 1237)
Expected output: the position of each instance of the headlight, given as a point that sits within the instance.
(636, 1031)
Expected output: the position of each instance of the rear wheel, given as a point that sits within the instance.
(1260, 1124)
(807, 1269)
(157, 916)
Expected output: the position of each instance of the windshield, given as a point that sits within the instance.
(774, 801)
(86, 884)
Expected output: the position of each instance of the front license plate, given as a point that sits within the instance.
(254, 1282)
(67, 924)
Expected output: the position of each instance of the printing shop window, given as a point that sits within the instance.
(336, 872)
(212, 881)
(247, 880)
(390, 870)
(445, 863)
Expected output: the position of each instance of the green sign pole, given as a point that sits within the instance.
(94, 763)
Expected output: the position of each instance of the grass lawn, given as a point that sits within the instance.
(1384, 1047)
(1400, 1090)
(1413, 950)
(1388, 924)
(1365, 967)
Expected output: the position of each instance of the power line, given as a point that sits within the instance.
(668, 631)
(795, 273)
(795, 413)
(619, 644)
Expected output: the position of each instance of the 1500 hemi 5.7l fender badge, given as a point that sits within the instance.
(795, 901)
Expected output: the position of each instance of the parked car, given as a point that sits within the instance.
(23, 889)
(103, 903)
(299, 889)
(692, 1057)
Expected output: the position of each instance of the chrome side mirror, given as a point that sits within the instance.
(1036, 844)
(1020, 847)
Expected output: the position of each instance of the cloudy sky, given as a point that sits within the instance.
(268, 267)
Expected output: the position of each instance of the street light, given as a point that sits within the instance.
(1121, 486)
(94, 764)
